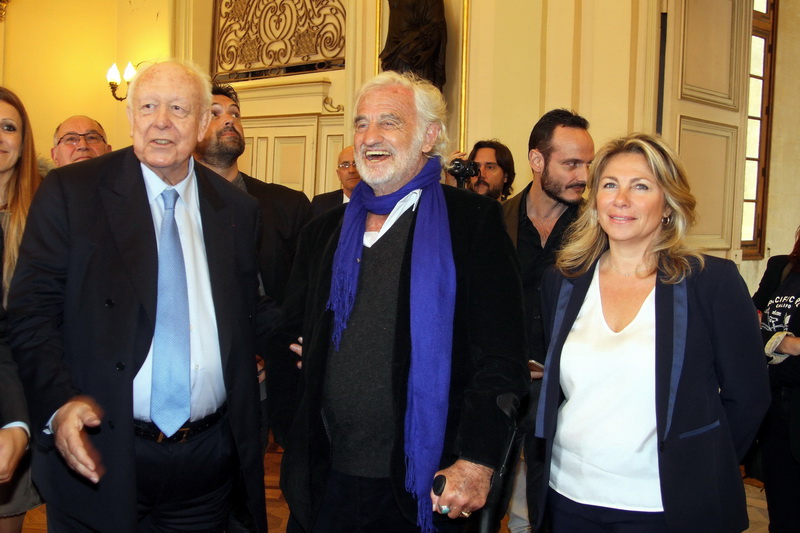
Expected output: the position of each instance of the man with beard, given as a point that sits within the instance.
(560, 151)
(283, 210)
(283, 213)
(496, 169)
(409, 304)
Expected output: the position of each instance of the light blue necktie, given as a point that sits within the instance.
(170, 396)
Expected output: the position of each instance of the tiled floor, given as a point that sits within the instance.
(278, 512)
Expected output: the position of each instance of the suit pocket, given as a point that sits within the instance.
(699, 431)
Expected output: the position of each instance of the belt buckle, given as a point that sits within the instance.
(184, 435)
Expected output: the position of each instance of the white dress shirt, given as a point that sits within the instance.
(409, 201)
(207, 383)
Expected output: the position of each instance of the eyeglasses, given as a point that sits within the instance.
(345, 165)
(71, 139)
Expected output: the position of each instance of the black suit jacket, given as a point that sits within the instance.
(487, 358)
(284, 212)
(711, 389)
(325, 202)
(82, 314)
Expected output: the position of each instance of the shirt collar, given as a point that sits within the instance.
(155, 185)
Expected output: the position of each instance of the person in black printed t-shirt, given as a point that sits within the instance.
(778, 300)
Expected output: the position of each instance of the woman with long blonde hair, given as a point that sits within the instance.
(19, 179)
(655, 381)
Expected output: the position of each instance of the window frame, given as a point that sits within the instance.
(764, 26)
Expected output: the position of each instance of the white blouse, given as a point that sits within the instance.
(605, 447)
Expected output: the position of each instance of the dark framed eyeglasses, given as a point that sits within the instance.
(71, 139)
(345, 165)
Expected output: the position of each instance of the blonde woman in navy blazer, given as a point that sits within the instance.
(678, 428)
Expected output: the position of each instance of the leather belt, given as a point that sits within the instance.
(150, 431)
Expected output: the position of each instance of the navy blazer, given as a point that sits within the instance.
(711, 389)
(82, 309)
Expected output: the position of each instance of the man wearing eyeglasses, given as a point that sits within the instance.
(348, 174)
(77, 139)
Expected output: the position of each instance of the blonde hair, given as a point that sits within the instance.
(585, 240)
(19, 191)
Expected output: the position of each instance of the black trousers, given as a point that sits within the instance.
(572, 517)
(180, 486)
(533, 449)
(186, 486)
(781, 467)
(354, 504)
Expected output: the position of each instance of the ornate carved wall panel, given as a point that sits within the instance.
(264, 38)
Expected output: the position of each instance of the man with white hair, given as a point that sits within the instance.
(409, 304)
(132, 315)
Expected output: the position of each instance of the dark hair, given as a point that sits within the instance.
(220, 89)
(504, 159)
(542, 134)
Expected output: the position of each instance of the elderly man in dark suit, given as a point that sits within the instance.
(409, 301)
(348, 175)
(132, 317)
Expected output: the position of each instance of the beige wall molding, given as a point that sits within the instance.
(711, 36)
(708, 151)
(263, 99)
(704, 115)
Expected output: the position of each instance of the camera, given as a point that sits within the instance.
(463, 170)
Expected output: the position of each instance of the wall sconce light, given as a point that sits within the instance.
(3, 6)
(113, 78)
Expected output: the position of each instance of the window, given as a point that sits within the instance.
(759, 119)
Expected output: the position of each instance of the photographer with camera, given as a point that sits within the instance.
(488, 170)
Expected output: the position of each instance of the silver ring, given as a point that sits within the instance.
(443, 509)
(466, 514)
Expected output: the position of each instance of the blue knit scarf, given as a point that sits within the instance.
(433, 294)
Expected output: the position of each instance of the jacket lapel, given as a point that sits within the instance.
(671, 331)
(124, 199)
(218, 221)
(571, 295)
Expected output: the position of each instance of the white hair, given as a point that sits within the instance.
(429, 101)
(201, 78)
